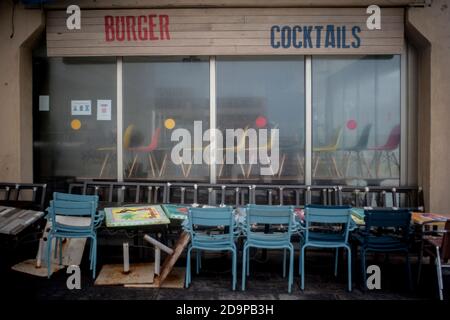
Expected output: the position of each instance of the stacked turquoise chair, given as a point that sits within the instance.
(326, 227)
(199, 221)
(72, 205)
(257, 238)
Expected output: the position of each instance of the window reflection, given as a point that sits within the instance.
(69, 145)
(263, 93)
(157, 90)
(356, 120)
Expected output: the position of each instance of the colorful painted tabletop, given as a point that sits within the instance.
(416, 217)
(135, 216)
(427, 217)
(176, 212)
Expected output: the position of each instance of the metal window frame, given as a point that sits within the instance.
(119, 118)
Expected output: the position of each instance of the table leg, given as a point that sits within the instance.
(126, 258)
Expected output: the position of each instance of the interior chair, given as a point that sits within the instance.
(329, 152)
(152, 146)
(387, 151)
(326, 227)
(358, 151)
(386, 231)
(259, 219)
(63, 213)
(211, 229)
(113, 149)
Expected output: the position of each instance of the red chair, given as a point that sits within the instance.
(387, 150)
(147, 150)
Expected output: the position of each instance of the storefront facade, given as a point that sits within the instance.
(328, 100)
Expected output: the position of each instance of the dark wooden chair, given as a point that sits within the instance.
(438, 248)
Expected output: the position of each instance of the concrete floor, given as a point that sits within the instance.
(214, 282)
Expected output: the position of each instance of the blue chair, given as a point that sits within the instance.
(69, 205)
(199, 224)
(385, 230)
(257, 238)
(326, 227)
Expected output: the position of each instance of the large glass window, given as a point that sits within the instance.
(71, 139)
(259, 113)
(161, 95)
(356, 120)
(256, 94)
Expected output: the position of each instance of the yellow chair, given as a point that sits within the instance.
(110, 150)
(268, 145)
(329, 151)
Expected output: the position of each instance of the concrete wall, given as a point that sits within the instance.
(433, 41)
(16, 91)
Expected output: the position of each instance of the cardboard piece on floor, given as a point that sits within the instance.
(29, 267)
(175, 280)
(170, 260)
(112, 274)
(72, 247)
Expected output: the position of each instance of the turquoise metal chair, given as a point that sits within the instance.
(256, 237)
(199, 224)
(70, 205)
(326, 227)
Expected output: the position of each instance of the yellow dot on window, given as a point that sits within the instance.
(75, 124)
(169, 123)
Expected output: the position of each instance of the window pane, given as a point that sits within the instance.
(356, 120)
(157, 91)
(262, 93)
(69, 140)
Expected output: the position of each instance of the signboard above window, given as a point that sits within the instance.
(225, 32)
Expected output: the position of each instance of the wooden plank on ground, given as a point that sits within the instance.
(170, 260)
(29, 267)
(175, 280)
(112, 274)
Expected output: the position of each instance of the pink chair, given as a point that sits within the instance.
(387, 150)
(148, 150)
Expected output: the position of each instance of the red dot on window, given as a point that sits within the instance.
(351, 124)
(261, 122)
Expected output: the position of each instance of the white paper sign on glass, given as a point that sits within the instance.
(103, 109)
(44, 103)
(81, 107)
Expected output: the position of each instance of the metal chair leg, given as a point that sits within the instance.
(291, 269)
(336, 261)
(349, 266)
(244, 267)
(439, 274)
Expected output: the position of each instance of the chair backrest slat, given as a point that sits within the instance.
(211, 216)
(328, 216)
(74, 197)
(387, 218)
(266, 214)
(71, 205)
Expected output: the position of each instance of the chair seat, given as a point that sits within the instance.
(326, 237)
(268, 239)
(391, 243)
(259, 236)
(72, 234)
(215, 240)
